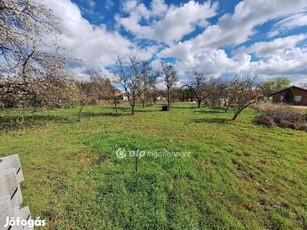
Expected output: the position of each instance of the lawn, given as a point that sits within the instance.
(239, 175)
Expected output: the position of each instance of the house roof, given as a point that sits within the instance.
(293, 86)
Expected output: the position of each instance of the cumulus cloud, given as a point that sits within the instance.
(165, 23)
(95, 45)
(234, 29)
(278, 57)
(163, 27)
(272, 48)
(205, 52)
(292, 61)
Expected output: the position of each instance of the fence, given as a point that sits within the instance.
(11, 215)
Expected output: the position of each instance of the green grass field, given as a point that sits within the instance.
(239, 175)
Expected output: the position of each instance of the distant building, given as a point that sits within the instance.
(300, 95)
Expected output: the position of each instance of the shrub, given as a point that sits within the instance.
(304, 127)
(265, 120)
(281, 116)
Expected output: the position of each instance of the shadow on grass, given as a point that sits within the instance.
(146, 111)
(210, 111)
(184, 107)
(100, 114)
(10, 122)
(211, 120)
(137, 110)
(118, 108)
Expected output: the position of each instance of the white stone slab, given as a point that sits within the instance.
(8, 182)
(12, 162)
(5, 210)
(9, 186)
(10, 193)
(24, 214)
(16, 200)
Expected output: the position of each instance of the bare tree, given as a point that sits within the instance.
(112, 91)
(129, 73)
(152, 84)
(170, 78)
(24, 28)
(116, 96)
(88, 92)
(199, 86)
(98, 87)
(147, 80)
(242, 93)
(31, 66)
(84, 100)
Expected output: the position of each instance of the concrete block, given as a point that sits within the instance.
(8, 182)
(6, 210)
(12, 162)
(10, 193)
(24, 214)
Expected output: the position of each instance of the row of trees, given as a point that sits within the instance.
(33, 73)
(139, 80)
(239, 93)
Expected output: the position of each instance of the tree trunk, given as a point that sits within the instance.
(80, 112)
(235, 117)
(143, 104)
(237, 113)
(115, 104)
(198, 102)
(132, 109)
(168, 99)
(18, 122)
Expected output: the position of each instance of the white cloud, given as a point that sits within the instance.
(279, 57)
(290, 22)
(181, 21)
(237, 28)
(165, 24)
(292, 61)
(272, 48)
(205, 52)
(158, 7)
(93, 44)
(289, 62)
(129, 5)
(161, 23)
(293, 21)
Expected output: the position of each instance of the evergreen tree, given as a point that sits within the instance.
(289, 97)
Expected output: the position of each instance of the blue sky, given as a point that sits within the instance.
(219, 38)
